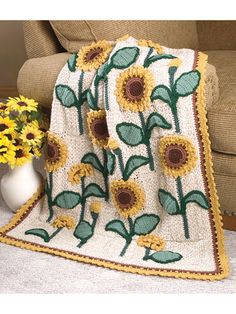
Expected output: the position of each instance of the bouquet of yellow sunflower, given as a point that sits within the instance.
(22, 131)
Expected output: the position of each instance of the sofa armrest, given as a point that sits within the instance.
(212, 86)
(40, 40)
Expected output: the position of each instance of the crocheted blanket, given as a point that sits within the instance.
(129, 171)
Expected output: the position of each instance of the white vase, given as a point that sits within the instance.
(19, 184)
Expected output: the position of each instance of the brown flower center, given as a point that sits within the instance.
(3, 127)
(93, 53)
(16, 142)
(9, 136)
(99, 128)
(3, 107)
(30, 136)
(134, 88)
(125, 198)
(176, 156)
(52, 151)
(21, 103)
(3, 150)
(19, 153)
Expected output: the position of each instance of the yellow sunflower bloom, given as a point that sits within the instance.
(151, 44)
(64, 221)
(93, 56)
(112, 144)
(97, 127)
(7, 150)
(7, 125)
(22, 155)
(31, 136)
(36, 152)
(177, 154)
(3, 108)
(78, 171)
(96, 207)
(21, 104)
(56, 152)
(128, 197)
(133, 89)
(151, 241)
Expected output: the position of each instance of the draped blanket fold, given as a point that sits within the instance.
(129, 172)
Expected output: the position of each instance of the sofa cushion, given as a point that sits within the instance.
(75, 34)
(222, 114)
(38, 76)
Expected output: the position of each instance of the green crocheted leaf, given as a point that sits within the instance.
(41, 233)
(66, 96)
(93, 160)
(145, 224)
(93, 190)
(111, 161)
(161, 92)
(155, 58)
(168, 202)
(130, 133)
(133, 163)
(67, 199)
(197, 197)
(72, 62)
(124, 57)
(156, 120)
(165, 257)
(187, 83)
(117, 226)
(83, 230)
(91, 101)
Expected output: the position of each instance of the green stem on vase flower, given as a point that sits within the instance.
(105, 175)
(147, 143)
(128, 239)
(49, 196)
(82, 201)
(183, 207)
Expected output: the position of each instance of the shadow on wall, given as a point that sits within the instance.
(12, 56)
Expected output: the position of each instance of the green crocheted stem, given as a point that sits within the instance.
(79, 108)
(105, 175)
(128, 239)
(121, 161)
(148, 145)
(147, 253)
(49, 196)
(106, 95)
(183, 207)
(174, 111)
(55, 233)
(80, 120)
(83, 200)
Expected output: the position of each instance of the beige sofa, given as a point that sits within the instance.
(50, 43)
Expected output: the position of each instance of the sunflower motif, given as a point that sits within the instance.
(7, 150)
(21, 104)
(133, 89)
(175, 63)
(78, 171)
(96, 207)
(151, 44)
(151, 241)
(22, 155)
(97, 126)
(64, 221)
(31, 135)
(93, 56)
(128, 197)
(177, 154)
(3, 108)
(6, 125)
(56, 152)
(112, 144)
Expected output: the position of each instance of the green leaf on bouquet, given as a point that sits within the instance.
(72, 62)
(67, 199)
(83, 230)
(93, 190)
(168, 202)
(133, 163)
(165, 257)
(187, 83)
(163, 93)
(111, 161)
(118, 227)
(93, 160)
(66, 96)
(124, 57)
(156, 120)
(145, 224)
(41, 233)
(130, 133)
(197, 197)
(91, 101)
(156, 58)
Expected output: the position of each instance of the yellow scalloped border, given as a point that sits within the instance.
(221, 256)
